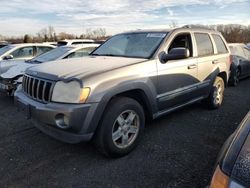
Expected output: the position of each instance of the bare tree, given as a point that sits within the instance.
(27, 39)
(173, 24)
(98, 33)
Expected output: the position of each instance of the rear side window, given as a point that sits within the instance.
(247, 53)
(204, 44)
(42, 50)
(220, 45)
(237, 50)
(62, 43)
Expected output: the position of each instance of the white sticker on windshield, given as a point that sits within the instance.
(157, 35)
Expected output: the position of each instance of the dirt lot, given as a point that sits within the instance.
(178, 150)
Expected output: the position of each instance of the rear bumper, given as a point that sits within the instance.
(70, 123)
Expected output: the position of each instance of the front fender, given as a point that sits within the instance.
(147, 87)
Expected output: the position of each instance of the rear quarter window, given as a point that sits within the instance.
(204, 44)
(42, 50)
(220, 45)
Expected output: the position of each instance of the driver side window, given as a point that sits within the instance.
(182, 41)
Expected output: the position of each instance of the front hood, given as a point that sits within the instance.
(6, 64)
(17, 70)
(80, 67)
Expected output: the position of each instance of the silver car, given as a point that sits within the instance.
(13, 76)
(23, 51)
(130, 78)
(240, 67)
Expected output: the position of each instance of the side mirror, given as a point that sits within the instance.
(7, 57)
(175, 54)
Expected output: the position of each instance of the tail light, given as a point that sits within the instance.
(219, 180)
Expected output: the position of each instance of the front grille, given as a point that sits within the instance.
(38, 89)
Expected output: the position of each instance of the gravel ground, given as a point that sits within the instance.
(178, 150)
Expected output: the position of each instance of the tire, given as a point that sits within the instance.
(121, 127)
(235, 78)
(216, 95)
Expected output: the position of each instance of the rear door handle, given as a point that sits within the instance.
(215, 62)
(192, 66)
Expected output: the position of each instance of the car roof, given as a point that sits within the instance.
(76, 40)
(31, 44)
(79, 46)
(236, 44)
(85, 45)
(185, 29)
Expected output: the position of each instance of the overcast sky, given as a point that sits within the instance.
(18, 17)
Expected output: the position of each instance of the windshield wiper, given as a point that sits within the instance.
(105, 55)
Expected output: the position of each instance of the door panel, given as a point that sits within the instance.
(177, 82)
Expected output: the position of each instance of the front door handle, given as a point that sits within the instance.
(192, 66)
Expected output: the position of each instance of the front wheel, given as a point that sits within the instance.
(121, 127)
(216, 95)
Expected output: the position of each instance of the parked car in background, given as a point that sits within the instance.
(51, 43)
(240, 67)
(233, 164)
(68, 42)
(132, 76)
(248, 45)
(3, 43)
(13, 77)
(23, 51)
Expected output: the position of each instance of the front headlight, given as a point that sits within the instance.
(70, 92)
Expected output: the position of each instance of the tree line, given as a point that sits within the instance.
(49, 35)
(233, 33)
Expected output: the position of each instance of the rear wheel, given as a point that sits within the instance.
(121, 127)
(216, 95)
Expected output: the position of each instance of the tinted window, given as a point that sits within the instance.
(204, 44)
(74, 43)
(221, 47)
(2, 45)
(81, 53)
(141, 45)
(23, 52)
(42, 50)
(61, 43)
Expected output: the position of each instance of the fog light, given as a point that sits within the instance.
(62, 121)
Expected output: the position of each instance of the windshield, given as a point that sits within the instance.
(52, 54)
(5, 49)
(140, 45)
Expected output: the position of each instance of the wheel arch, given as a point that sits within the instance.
(139, 92)
(223, 75)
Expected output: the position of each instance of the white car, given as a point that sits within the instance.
(13, 77)
(248, 45)
(23, 51)
(67, 42)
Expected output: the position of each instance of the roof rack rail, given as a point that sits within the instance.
(196, 27)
